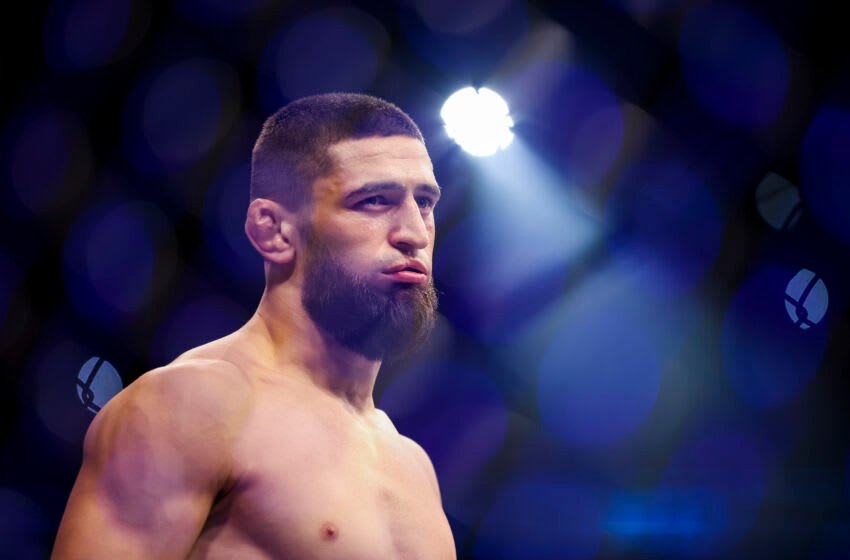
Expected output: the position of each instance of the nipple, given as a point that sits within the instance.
(329, 531)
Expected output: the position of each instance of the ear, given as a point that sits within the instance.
(272, 230)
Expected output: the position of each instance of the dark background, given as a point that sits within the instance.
(620, 369)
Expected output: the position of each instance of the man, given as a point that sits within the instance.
(267, 443)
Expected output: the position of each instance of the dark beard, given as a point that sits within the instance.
(374, 323)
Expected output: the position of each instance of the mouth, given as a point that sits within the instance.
(413, 272)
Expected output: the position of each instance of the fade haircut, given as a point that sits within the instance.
(291, 151)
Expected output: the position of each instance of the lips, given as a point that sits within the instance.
(411, 271)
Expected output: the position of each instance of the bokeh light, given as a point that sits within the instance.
(663, 217)
(458, 415)
(600, 376)
(111, 258)
(636, 519)
(768, 358)
(542, 519)
(478, 120)
(734, 64)
(715, 485)
(97, 382)
(806, 299)
(177, 115)
(778, 201)
(200, 319)
(339, 49)
(84, 34)
(825, 170)
(50, 159)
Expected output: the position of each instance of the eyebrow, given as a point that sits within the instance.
(385, 186)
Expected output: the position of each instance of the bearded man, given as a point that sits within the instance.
(267, 443)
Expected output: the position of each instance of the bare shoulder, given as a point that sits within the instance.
(413, 451)
(178, 402)
(201, 384)
(190, 385)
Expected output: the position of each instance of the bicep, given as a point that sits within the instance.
(127, 523)
(145, 486)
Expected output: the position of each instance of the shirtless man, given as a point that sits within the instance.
(267, 443)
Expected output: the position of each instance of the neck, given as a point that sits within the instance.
(287, 340)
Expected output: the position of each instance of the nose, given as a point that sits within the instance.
(410, 232)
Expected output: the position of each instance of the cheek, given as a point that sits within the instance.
(365, 236)
(359, 243)
(351, 230)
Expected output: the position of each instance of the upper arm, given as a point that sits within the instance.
(154, 459)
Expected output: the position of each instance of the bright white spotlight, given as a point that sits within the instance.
(479, 121)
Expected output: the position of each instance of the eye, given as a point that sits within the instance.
(426, 202)
(377, 200)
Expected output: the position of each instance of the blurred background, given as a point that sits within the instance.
(643, 339)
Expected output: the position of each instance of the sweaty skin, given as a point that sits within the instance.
(266, 443)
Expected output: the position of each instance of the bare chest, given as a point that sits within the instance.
(315, 486)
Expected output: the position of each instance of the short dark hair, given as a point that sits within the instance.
(291, 151)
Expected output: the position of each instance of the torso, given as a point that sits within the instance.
(310, 480)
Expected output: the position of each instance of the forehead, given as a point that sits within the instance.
(393, 158)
